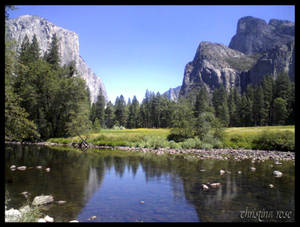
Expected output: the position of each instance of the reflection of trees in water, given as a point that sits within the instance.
(76, 176)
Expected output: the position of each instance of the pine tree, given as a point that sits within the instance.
(100, 108)
(24, 56)
(34, 49)
(219, 100)
(120, 111)
(267, 87)
(133, 116)
(52, 55)
(279, 111)
(202, 102)
(258, 102)
(109, 115)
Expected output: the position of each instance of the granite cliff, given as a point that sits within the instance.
(68, 46)
(172, 93)
(255, 50)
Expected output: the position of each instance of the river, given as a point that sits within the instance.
(119, 186)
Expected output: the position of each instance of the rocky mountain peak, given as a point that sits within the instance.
(29, 25)
(255, 36)
(257, 49)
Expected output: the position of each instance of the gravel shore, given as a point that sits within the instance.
(221, 154)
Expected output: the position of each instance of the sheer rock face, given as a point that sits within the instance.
(256, 50)
(68, 46)
(214, 65)
(256, 36)
(172, 93)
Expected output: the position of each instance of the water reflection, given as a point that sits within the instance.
(110, 185)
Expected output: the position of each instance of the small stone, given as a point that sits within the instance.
(38, 167)
(204, 187)
(252, 169)
(26, 194)
(92, 218)
(22, 168)
(277, 173)
(202, 170)
(13, 167)
(271, 186)
(215, 185)
(61, 202)
(222, 172)
(48, 219)
(74, 221)
(278, 163)
(41, 220)
(47, 169)
(239, 172)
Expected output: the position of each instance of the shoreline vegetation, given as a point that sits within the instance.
(256, 143)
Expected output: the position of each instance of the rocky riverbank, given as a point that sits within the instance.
(221, 154)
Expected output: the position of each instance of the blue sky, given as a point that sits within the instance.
(134, 48)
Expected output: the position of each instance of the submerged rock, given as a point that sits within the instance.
(61, 202)
(215, 185)
(252, 169)
(22, 168)
(42, 200)
(277, 173)
(48, 219)
(204, 187)
(222, 172)
(74, 221)
(92, 218)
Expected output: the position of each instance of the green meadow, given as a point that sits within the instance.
(263, 137)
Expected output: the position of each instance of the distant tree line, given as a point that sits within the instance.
(272, 102)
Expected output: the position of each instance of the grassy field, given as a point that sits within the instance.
(238, 137)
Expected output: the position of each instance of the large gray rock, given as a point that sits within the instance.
(214, 65)
(254, 35)
(68, 46)
(12, 215)
(42, 200)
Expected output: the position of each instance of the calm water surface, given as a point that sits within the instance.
(111, 185)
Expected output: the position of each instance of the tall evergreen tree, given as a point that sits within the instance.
(202, 102)
(109, 115)
(133, 116)
(24, 55)
(34, 49)
(52, 55)
(267, 87)
(219, 100)
(280, 113)
(120, 111)
(100, 108)
(258, 102)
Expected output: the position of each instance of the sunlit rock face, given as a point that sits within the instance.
(29, 25)
(257, 49)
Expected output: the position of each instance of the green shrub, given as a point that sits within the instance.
(192, 143)
(180, 134)
(281, 141)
